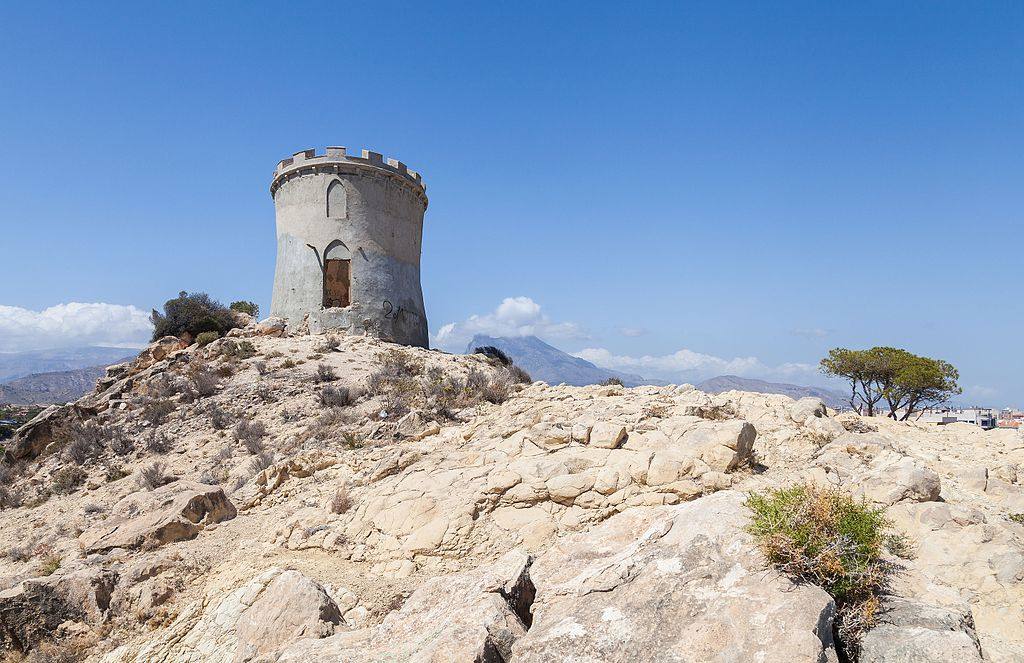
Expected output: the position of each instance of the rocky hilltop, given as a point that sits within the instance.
(306, 498)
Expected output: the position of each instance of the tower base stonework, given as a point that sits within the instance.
(349, 236)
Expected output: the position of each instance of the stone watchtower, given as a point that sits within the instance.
(349, 230)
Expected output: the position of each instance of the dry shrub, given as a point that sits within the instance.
(261, 367)
(826, 537)
(87, 441)
(156, 410)
(227, 369)
(250, 434)
(120, 443)
(11, 495)
(713, 412)
(335, 397)
(401, 384)
(202, 380)
(158, 442)
(342, 501)
(288, 363)
(325, 373)
(205, 338)
(220, 418)
(518, 375)
(260, 462)
(153, 476)
(49, 563)
(67, 479)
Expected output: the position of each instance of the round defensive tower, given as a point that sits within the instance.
(349, 232)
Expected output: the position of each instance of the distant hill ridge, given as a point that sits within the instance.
(717, 385)
(62, 386)
(20, 364)
(546, 362)
(549, 364)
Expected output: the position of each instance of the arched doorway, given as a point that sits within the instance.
(337, 275)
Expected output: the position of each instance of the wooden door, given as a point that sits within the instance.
(337, 275)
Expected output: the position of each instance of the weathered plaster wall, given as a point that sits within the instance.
(380, 231)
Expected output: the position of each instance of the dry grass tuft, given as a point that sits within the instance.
(342, 501)
(153, 476)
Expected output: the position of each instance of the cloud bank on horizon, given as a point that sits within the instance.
(522, 316)
(74, 324)
(514, 316)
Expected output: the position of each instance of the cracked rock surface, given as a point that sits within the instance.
(564, 523)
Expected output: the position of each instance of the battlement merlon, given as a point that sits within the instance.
(308, 161)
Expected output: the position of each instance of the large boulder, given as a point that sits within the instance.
(272, 326)
(909, 631)
(722, 445)
(807, 408)
(276, 608)
(32, 611)
(43, 434)
(875, 468)
(175, 512)
(682, 583)
(473, 616)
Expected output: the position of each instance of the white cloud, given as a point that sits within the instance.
(690, 366)
(632, 332)
(814, 332)
(515, 316)
(73, 325)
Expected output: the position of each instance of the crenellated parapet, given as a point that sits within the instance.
(337, 160)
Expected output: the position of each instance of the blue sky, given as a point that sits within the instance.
(678, 188)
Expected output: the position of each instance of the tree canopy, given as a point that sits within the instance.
(906, 382)
(193, 314)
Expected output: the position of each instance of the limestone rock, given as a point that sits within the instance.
(608, 594)
(272, 326)
(31, 611)
(474, 616)
(807, 408)
(909, 631)
(41, 434)
(276, 608)
(722, 445)
(157, 351)
(177, 511)
(607, 435)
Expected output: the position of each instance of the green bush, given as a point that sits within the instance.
(206, 338)
(828, 538)
(251, 308)
(194, 314)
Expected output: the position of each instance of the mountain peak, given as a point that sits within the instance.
(545, 362)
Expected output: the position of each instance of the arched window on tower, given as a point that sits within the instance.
(337, 200)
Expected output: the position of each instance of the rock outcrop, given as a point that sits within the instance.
(313, 518)
(174, 512)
